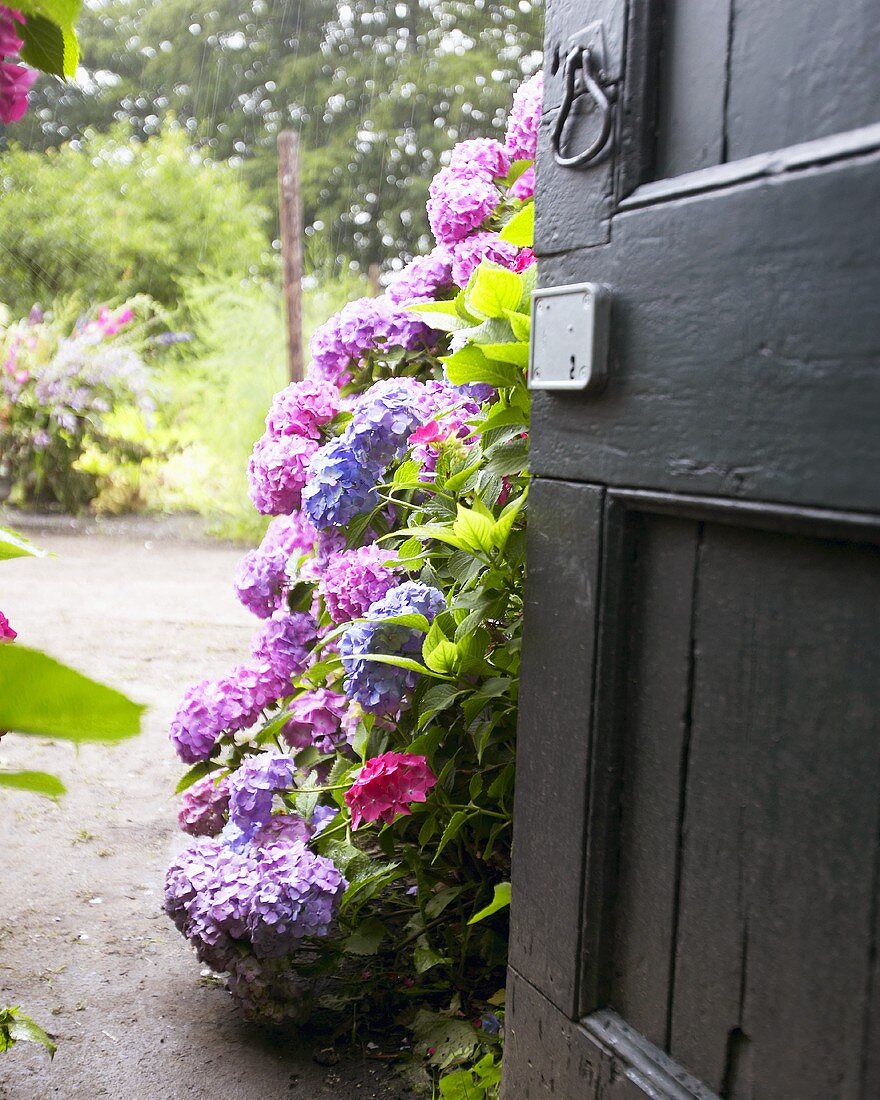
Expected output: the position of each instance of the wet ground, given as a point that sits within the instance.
(84, 946)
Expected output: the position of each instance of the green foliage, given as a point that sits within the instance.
(49, 35)
(110, 218)
(59, 702)
(15, 1027)
(377, 89)
(14, 545)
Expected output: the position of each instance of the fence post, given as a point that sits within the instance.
(290, 218)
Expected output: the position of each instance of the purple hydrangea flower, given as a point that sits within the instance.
(277, 472)
(461, 200)
(362, 327)
(297, 895)
(485, 155)
(355, 579)
(524, 187)
(260, 579)
(283, 643)
(342, 482)
(282, 829)
(525, 117)
(203, 806)
(322, 817)
(269, 991)
(294, 535)
(330, 358)
(303, 408)
(213, 707)
(253, 785)
(375, 686)
(469, 253)
(423, 278)
(316, 719)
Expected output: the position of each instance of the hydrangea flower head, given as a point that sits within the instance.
(7, 634)
(387, 786)
(341, 483)
(376, 686)
(10, 40)
(284, 643)
(277, 472)
(484, 155)
(330, 358)
(253, 785)
(260, 579)
(461, 200)
(525, 117)
(355, 579)
(303, 408)
(316, 719)
(282, 829)
(524, 187)
(467, 255)
(525, 259)
(203, 806)
(423, 278)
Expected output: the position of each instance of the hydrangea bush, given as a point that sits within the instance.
(60, 395)
(351, 782)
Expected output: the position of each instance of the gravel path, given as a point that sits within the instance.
(84, 947)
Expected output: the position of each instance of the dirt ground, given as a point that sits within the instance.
(84, 946)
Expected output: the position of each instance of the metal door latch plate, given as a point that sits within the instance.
(569, 337)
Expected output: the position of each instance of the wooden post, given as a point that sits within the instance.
(290, 217)
(375, 282)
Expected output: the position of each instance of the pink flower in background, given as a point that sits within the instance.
(15, 80)
(387, 785)
(10, 42)
(524, 187)
(7, 634)
(525, 118)
(111, 323)
(525, 259)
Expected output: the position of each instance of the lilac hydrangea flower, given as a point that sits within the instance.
(375, 686)
(423, 278)
(330, 358)
(294, 535)
(260, 579)
(341, 484)
(322, 817)
(203, 806)
(213, 707)
(461, 200)
(253, 785)
(303, 408)
(297, 895)
(277, 472)
(355, 579)
(316, 719)
(485, 155)
(521, 140)
(524, 187)
(282, 829)
(468, 254)
(284, 644)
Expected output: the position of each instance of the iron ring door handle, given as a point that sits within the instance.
(581, 59)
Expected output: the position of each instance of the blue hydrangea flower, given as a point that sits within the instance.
(252, 788)
(378, 687)
(341, 483)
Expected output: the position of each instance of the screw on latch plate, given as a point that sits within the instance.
(584, 72)
(569, 337)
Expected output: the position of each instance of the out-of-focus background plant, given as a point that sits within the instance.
(167, 129)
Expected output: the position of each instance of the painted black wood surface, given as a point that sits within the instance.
(696, 891)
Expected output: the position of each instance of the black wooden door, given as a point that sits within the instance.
(697, 835)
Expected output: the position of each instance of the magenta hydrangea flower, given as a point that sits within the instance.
(7, 634)
(277, 472)
(461, 200)
(15, 79)
(316, 719)
(467, 255)
(203, 806)
(283, 644)
(427, 440)
(485, 155)
(252, 788)
(260, 580)
(303, 408)
(10, 40)
(387, 785)
(524, 187)
(355, 579)
(423, 278)
(521, 141)
(525, 259)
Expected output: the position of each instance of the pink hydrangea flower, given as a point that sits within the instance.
(10, 40)
(203, 807)
(316, 719)
(485, 155)
(524, 187)
(525, 117)
(277, 473)
(354, 579)
(525, 259)
(387, 786)
(15, 83)
(7, 634)
(303, 408)
(468, 254)
(461, 200)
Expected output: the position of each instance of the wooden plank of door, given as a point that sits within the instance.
(780, 829)
(565, 532)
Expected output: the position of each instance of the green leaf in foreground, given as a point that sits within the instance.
(39, 695)
(36, 782)
(520, 230)
(500, 901)
(14, 545)
(15, 1027)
